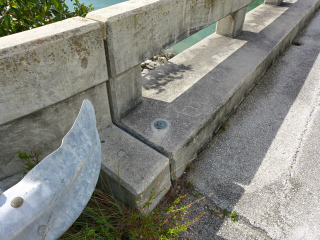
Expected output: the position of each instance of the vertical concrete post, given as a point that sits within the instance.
(125, 92)
(273, 2)
(124, 85)
(232, 24)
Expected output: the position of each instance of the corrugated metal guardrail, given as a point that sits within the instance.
(45, 203)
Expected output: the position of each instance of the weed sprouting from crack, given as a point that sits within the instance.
(224, 213)
(29, 160)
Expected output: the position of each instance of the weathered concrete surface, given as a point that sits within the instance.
(273, 2)
(135, 172)
(50, 63)
(56, 191)
(46, 74)
(266, 165)
(125, 92)
(136, 30)
(8, 182)
(214, 82)
(231, 25)
(42, 131)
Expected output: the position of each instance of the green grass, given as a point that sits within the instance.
(29, 160)
(105, 217)
(224, 213)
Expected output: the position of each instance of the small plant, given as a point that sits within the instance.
(198, 195)
(29, 160)
(224, 213)
(189, 185)
(190, 167)
(106, 218)
(224, 127)
(233, 216)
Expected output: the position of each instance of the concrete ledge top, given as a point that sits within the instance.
(210, 79)
(133, 7)
(122, 10)
(137, 174)
(36, 37)
(135, 163)
(138, 29)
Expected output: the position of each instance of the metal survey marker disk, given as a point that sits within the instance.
(160, 124)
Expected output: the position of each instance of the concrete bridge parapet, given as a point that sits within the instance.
(137, 30)
(47, 72)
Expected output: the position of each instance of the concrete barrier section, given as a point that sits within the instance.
(125, 92)
(135, 173)
(46, 73)
(51, 63)
(43, 130)
(138, 29)
(232, 24)
(196, 91)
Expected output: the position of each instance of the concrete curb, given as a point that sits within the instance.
(195, 92)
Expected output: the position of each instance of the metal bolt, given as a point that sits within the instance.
(17, 202)
(160, 124)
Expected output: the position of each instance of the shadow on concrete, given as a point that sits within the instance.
(162, 75)
(232, 159)
(225, 166)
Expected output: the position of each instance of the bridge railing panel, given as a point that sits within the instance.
(138, 29)
(45, 74)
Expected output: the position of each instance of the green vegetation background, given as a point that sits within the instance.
(20, 15)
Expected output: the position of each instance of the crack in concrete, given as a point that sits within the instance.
(295, 156)
(302, 136)
(247, 222)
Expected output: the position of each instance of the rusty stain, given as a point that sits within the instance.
(77, 47)
(84, 62)
(137, 10)
(76, 173)
(39, 41)
(135, 19)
